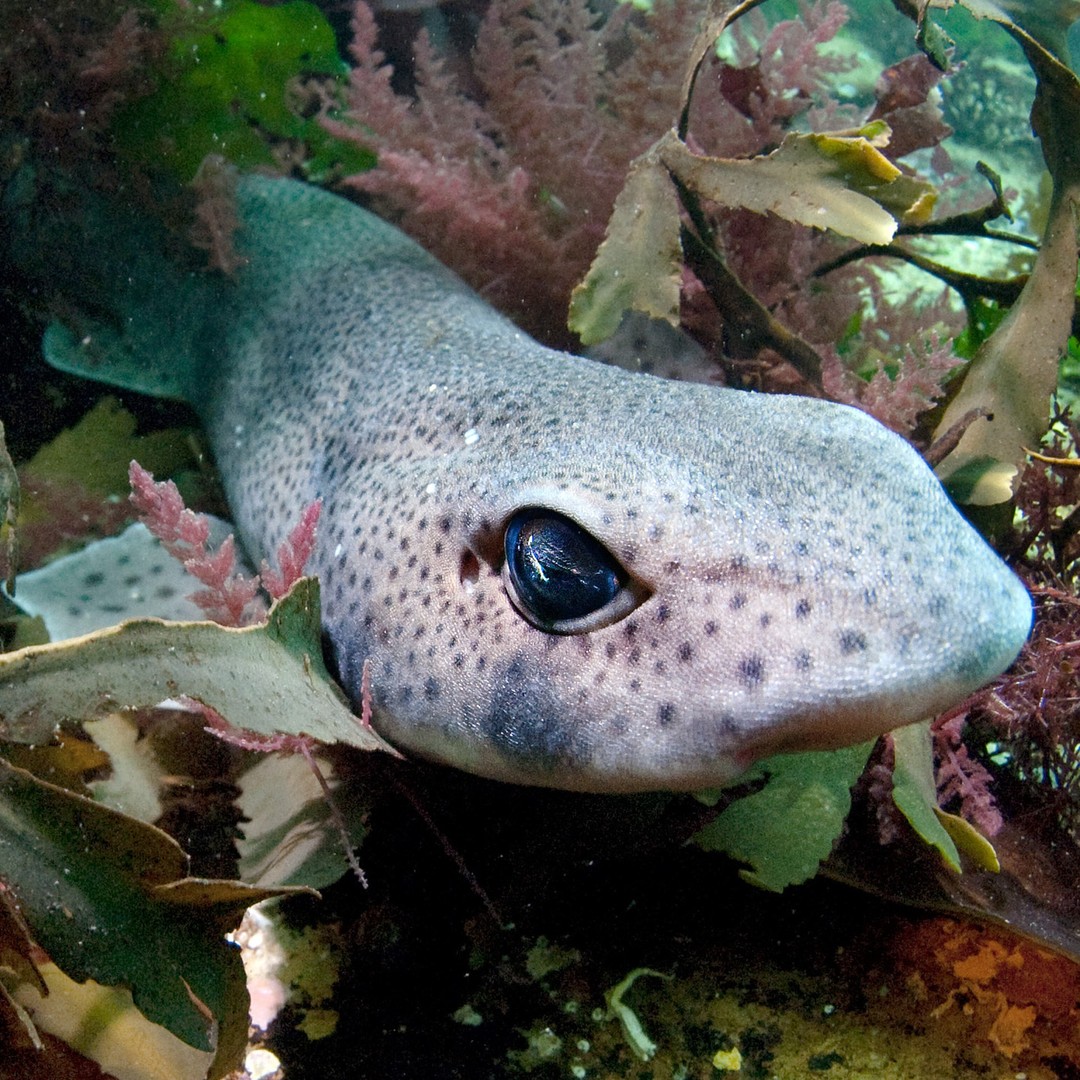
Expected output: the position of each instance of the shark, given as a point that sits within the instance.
(558, 572)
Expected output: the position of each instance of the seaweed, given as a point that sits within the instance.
(523, 173)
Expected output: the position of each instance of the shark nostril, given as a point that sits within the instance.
(469, 570)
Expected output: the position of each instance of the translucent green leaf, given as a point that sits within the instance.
(1015, 369)
(981, 481)
(786, 829)
(914, 791)
(296, 841)
(639, 264)
(935, 43)
(108, 898)
(97, 451)
(969, 841)
(101, 1024)
(268, 678)
(1046, 22)
(838, 182)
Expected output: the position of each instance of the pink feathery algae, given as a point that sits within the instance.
(229, 596)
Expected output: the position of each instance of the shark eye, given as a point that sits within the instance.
(558, 575)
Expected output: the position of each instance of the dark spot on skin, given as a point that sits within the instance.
(545, 738)
(802, 661)
(635, 685)
(662, 613)
(738, 601)
(610, 650)
(802, 608)
(710, 629)
(431, 688)
(666, 714)
(92, 581)
(851, 641)
(937, 606)
(686, 652)
(765, 620)
(752, 671)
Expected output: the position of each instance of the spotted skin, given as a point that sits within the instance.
(804, 581)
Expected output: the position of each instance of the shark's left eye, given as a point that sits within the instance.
(558, 575)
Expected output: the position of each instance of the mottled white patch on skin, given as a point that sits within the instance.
(129, 576)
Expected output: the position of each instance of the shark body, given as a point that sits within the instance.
(562, 573)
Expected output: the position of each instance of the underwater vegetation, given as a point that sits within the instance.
(562, 162)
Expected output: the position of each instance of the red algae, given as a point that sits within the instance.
(995, 992)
